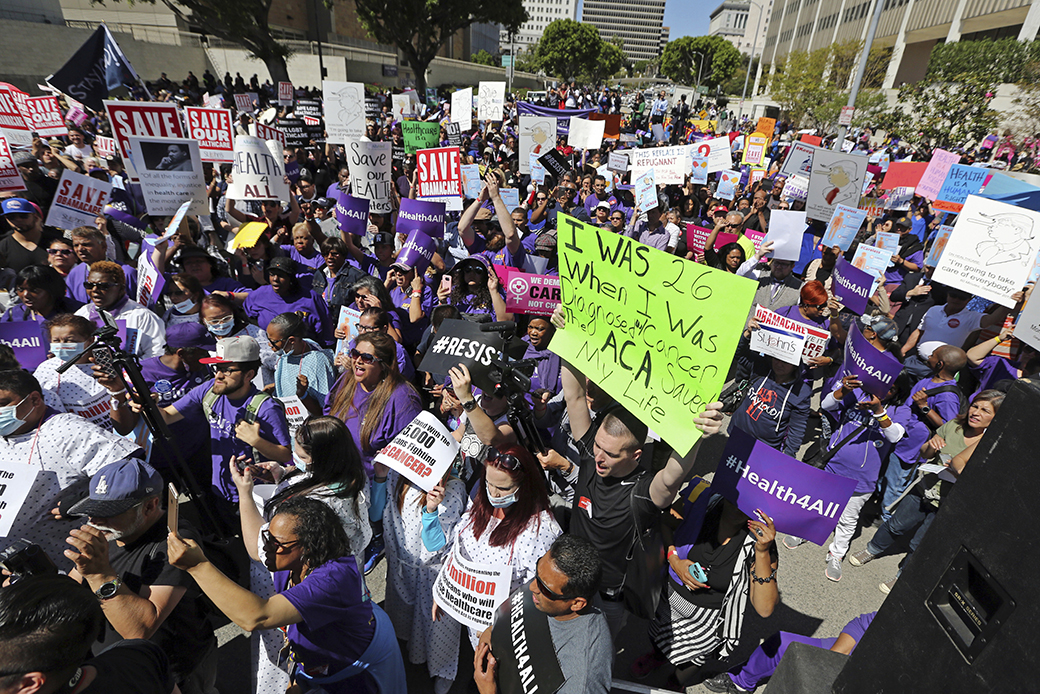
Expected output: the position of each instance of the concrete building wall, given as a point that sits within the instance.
(637, 22)
(540, 14)
(44, 11)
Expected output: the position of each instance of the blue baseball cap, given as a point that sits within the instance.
(19, 206)
(117, 488)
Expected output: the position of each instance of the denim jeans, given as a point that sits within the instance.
(912, 512)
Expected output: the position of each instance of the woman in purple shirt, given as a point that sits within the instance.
(302, 249)
(42, 291)
(283, 294)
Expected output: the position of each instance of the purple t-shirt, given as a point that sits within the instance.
(402, 407)
(314, 262)
(169, 384)
(404, 362)
(224, 444)
(896, 273)
(264, 303)
(78, 275)
(338, 624)
(411, 333)
(224, 284)
(859, 459)
(505, 257)
(993, 369)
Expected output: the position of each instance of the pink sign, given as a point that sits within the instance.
(697, 236)
(932, 180)
(535, 294)
(43, 115)
(76, 115)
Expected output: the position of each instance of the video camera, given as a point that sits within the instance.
(23, 559)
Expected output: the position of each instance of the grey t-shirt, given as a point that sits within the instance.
(585, 652)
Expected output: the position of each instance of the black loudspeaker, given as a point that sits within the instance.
(965, 614)
(806, 669)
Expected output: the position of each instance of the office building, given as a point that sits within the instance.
(737, 22)
(638, 23)
(540, 13)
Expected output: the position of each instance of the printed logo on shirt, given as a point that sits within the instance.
(954, 322)
(162, 386)
(586, 504)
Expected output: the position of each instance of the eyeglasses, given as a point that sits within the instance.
(222, 369)
(364, 357)
(366, 328)
(103, 286)
(544, 590)
(59, 251)
(506, 461)
(274, 343)
(271, 541)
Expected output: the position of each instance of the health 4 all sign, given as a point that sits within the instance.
(211, 127)
(439, 176)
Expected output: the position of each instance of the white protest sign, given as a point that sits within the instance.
(43, 115)
(243, 103)
(12, 124)
(1027, 328)
(991, 250)
(537, 134)
(585, 134)
(78, 202)
(422, 451)
(785, 231)
(836, 179)
(775, 341)
(214, 131)
(266, 132)
(401, 106)
(718, 152)
(295, 414)
(259, 170)
(344, 110)
(470, 592)
(462, 110)
(370, 174)
(10, 179)
(104, 147)
(491, 100)
(16, 481)
(149, 278)
(799, 159)
(815, 338)
(285, 94)
(668, 163)
(617, 161)
(170, 171)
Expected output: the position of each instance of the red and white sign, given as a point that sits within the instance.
(285, 94)
(439, 176)
(10, 179)
(422, 452)
(104, 146)
(212, 127)
(815, 338)
(11, 122)
(78, 202)
(243, 103)
(212, 100)
(535, 294)
(311, 120)
(136, 119)
(847, 114)
(43, 115)
(266, 132)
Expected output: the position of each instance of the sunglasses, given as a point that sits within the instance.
(544, 590)
(364, 357)
(271, 541)
(59, 251)
(103, 286)
(506, 461)
(616, 218)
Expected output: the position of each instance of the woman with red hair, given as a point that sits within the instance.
(814, 310)
(508, 521)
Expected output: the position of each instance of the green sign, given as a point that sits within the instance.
(656, 331)
(420, 135)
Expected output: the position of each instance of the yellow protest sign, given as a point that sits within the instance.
(656, 331)
(247, 235)
(755, 149)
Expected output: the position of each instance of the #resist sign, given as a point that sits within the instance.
(212, 128)
(422, 451)
(470, 592)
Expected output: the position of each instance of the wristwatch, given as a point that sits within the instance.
(925, 409)
(470, 405)
(108, 589)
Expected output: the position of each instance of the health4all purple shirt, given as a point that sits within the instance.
(402, 407)
(224, 444)
(264, 303)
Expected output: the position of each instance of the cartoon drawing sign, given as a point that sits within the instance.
(344, 110)
(836, 179)
(536, 134)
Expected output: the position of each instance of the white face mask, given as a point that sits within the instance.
(301, 464)
(223, 328)
(501, 501)
(184, 306)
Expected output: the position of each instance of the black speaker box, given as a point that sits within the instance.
(806, 669)
(964, 617)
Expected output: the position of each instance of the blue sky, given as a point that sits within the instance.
(688, 17)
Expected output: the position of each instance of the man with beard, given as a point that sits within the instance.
(121, 554)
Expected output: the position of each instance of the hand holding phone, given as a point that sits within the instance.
(172, 508)
(698, 572)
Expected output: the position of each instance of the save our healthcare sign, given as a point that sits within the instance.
(422, 451)
(655, 331)
(801, 500)
(212, 128)
(137, 119)
(10, 179)
(470, 592)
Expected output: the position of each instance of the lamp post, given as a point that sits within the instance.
(700, 67)
(751, 58)
(860, 69)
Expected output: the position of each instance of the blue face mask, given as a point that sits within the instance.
(9, 421)
(221, 329)
(185, 306)
(66, 350)
(501, 501)
(301, 464)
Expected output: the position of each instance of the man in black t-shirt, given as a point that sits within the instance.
(121, 555)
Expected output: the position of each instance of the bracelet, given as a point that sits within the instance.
(883, 414)
(116, 392)
(416, 295)
(379, 479)
(762, 581)
(672, 553)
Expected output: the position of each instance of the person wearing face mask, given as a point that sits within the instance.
(145, 332)
(507, 523)
(222, 318)
(326, 467)
(284, 294)
(120, 554)
(65, 445)
(42, 293)
(185, 294)
(77, 390)
(304, 370)
(484, 424)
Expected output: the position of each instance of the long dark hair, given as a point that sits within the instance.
(724, 253)
(318, 530)
(459, 290)
(531, 498)
(335, 463)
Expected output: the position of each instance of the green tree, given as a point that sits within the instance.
(946, 114)
(1004, 60)
(527, 60)
(244, 22)
(735, 84)
(568, 48)
(612, 60)
(482, 57)
(680, 60)
(420, 27)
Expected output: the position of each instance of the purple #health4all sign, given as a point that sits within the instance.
(851, 286)
(421, 215)
(352, 214)
(26, 339)
(876, 370)
(532, 294)
(417, 251)
(801, 500)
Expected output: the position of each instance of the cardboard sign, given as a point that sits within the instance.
(585, 134)
(843, 227)
(537, 295)
(344, 110)
(755, 150)
(689, 318)
(426, 216)
(874, 261)
(554, 163)
(243, 103)
(960, 182)
(348, 322)
(646, 191)
(438, 177)
(462, 342)
(78, 201)
(876, 370)
(259, 171)
(104, 147)
(422, 452)
(934, 175)
(537, 135)
(851, 286)
(10, 178)
(18, 480)
(837, 179)
(12, 125)
(991, 251)
(285, 94)
(942, 237)
(462, 108)
(618, 162)
(815, 338)
(43, 116)
(669, 164)
(801, 500)
(138, 119)
(491, 99)
(266, 132)
(370, 174)
(471, 180)
(214, 130)
(470, 592)
(420, 135)
(26, 339)
(352, 214)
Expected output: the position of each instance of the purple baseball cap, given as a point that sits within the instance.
(189, 336)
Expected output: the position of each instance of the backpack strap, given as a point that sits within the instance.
(207, 403)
